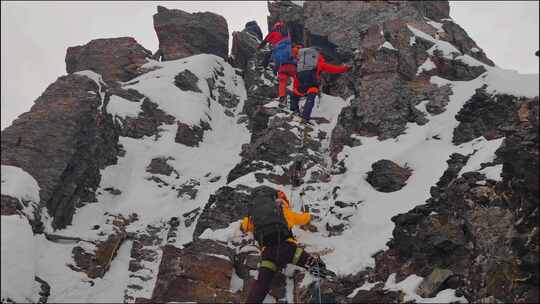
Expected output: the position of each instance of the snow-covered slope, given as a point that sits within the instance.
(153, 199)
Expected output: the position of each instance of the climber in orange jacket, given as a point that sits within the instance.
(271, 219)
(310, 65)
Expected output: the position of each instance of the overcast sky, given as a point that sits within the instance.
(35, 35)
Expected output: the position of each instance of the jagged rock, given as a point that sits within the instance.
(145, 252)
(291, 14)
(188, 189)
(190, 136)
(65, 128)
(455, 163)
(457, 36)
(245, 167)
(387, 176)
(182, 34)
(438, 99)
(159, 165)
(227, 99)
(45, 290)
(187, 275)
(227, 205)
(147, 123)
(187, 81)
(116, 59)
(431, 285)
(485, 115)
(475, 228)
(455, 69)
(10, 205)
(378, 295)
(95, 258)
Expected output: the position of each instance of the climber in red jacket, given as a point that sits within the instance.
(283, 57)
(310, 65)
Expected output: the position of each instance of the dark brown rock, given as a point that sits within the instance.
(190, 135)
(224, 207)
(97, 262)
(159, 166)
(147, 123)
(66, 128)
(187, 81)
(387, 176)
(182, 34)
(187, 275)
(115, 59)
(485, 115)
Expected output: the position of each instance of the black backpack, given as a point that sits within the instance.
(267, 217)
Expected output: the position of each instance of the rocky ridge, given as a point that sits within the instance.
(472, 222)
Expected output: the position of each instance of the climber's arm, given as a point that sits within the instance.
(246, 225)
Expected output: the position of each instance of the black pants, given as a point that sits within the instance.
(308, 106)
(275, 258)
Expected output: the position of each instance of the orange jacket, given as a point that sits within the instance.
(293, 218)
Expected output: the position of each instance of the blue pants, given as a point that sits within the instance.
(308, 107)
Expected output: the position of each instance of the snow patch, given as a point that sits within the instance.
(409, 285)
(123, 108)
(18, 259)
(19, 184)
(428, 65)
(387, 45)
(437, 25)
(223, 235)
(511, 82)
(485, 153)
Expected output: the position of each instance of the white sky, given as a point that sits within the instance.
(35, 35)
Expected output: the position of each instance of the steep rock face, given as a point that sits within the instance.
(388, 57)
(66, 129)
(475, 226)
(291, 14)
(227, 205)
(116, 59)
(182, 34)
(486, 115)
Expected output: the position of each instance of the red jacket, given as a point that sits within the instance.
(322, 66)
(274, 37)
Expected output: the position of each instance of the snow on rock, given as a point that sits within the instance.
(388, 45)
(447, 49)
(187, 106)
(18, 259)
(223, 235)
(428, 65)
(501, 81)
(409, 285)
(437, 25)
(97, 79)
(19, 184)
(123, 108)
(484, 152)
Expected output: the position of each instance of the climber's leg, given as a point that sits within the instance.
(308, 107)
